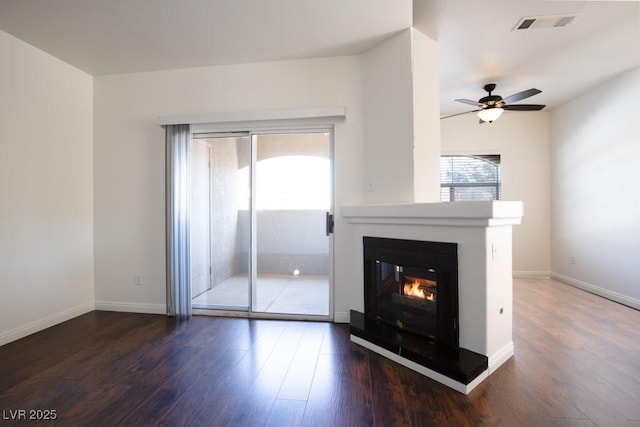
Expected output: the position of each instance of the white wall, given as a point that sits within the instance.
(595, 192)
(426, 119)
(129, 158)
(46, 190)
(374, 150)
(401, 110)
(388, 121)
(523, 141)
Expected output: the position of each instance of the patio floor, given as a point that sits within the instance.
(276, 293)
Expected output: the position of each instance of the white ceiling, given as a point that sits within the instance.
(477, 46)
(476, 41)
(121, 36)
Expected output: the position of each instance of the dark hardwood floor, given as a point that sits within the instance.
(577, 363)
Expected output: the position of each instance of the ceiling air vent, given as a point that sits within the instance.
(553, 21)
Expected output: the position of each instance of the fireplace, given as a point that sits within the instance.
(411, 308)
(413, 285)
(483, 234)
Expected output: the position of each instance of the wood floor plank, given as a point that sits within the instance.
(69, 342)
(272, 375)
(423, 407)
(336, 340)
(388, 397)
(219, 410)
(576, 364)
(78, 368)
(297, 382)
(345, 415)
(580, 361)
(286, 413)
(163, 398)
(342, 379)
(136, 396)
(234, 410)
(188, 407)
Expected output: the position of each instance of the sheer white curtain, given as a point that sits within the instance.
(178, 176)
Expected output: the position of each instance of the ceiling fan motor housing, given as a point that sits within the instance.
(490, 101)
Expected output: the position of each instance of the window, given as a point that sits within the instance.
(466, 178)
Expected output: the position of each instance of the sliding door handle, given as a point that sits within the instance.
(328, 223)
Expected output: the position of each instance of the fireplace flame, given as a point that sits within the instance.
(415, 289)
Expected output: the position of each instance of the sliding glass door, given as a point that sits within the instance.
(292, 197)
(229, 218)
(200, 237)
(270, 197)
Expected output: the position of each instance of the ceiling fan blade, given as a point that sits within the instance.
(470, 102)
(521, 95)
(458, 114)
(524, 107)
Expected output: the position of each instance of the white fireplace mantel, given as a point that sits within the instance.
(460, 214)
(483, 232)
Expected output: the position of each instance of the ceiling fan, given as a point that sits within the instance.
(492, 106)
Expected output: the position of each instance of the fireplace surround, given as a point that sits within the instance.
(411, 305)
(483, 233)
(413, 286)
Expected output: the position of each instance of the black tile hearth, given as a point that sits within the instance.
(456, 363)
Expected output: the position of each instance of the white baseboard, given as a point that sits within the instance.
(47, 322)
(131, 307)
(342, 317)
(499, 357)
(532, 274)
(605, 293)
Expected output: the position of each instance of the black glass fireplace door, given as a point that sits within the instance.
(412, 286)
(406, 297)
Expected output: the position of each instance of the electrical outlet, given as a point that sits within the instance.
(573, 260)
(138, 279)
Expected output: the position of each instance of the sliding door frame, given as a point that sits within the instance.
(210, 131)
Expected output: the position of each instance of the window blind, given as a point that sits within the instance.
(470, 177)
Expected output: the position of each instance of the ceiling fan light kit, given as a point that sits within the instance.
(491, 107)
(490, 114)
